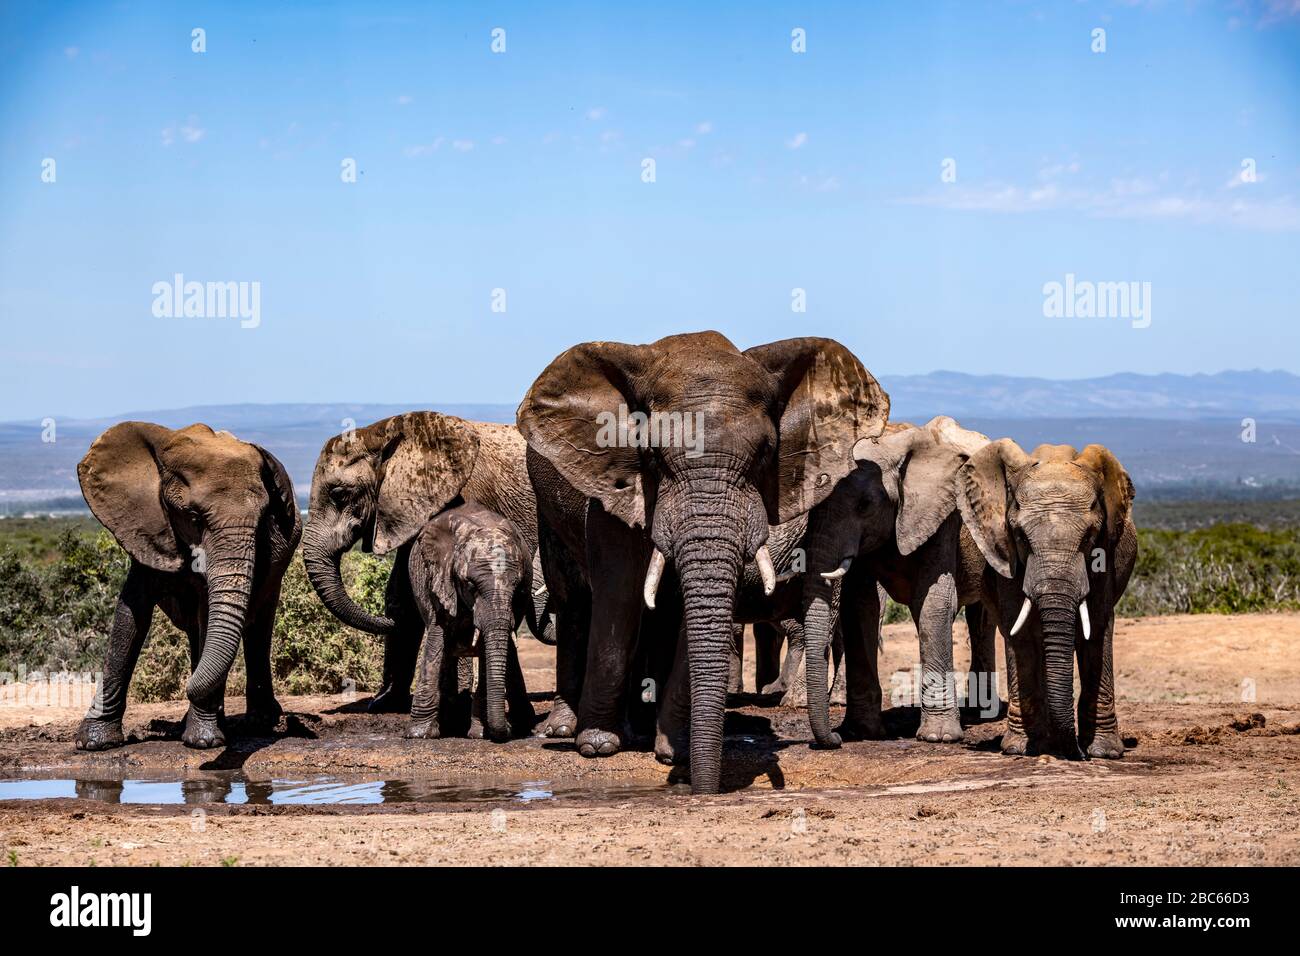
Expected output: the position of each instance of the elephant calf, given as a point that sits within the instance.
(471, 574)
(210, 523)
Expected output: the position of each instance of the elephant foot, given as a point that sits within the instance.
(264, 715)
(795, 696)
(390, 700)
(202, 733)
(426, 729)
(1015, 742)
(598, 743)
(1109, 746)
(839, 694)
(476, 731)
(940, 727)
(560, 722)
(854, 728)
(668, 753)
(776, 687)
(99, 735)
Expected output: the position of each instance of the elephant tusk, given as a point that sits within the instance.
(1024, 613)
(652, 576)
(539, 591)
(1083, 617)
(765, 569)
(839, 572)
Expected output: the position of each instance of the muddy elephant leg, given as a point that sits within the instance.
(1026, 730)
(402, 644)
(861, 609)
(571, 625)
(101, 728)
(767, 658)
(934, 614)
(520, 711)
(736, 666)
(204, 727)
(1098, 726)
(426, 705)
(673, 724)
(261, 709)
(620, 556)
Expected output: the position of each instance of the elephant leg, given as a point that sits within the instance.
(1024, 731)
(478, 707)
(101, 728)
(203, 724)
(402, 644)
(622, 556)
(794, 672)
(982, 625)
(261, 707)
(861, 609)
(427, 703)
(839, 690)
(672, 737)
(571, 625)
(736, 665)
(934, 610)
(767, 658)
(1098, 727)
(520, 711)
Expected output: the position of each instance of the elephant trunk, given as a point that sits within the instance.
(321, 555)
(817, 626)
(495, 627)
(708, 564)
(1058, 623)
(229, 556)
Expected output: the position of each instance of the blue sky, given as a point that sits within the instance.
(522, 171)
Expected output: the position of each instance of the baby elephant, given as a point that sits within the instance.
(210, 523)
(472, 577)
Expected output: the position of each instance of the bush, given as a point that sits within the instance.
(56, 615)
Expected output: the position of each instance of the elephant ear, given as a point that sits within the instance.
(829, 402)
(924, 482)
(982, 494)
(438, 550)
(424, 463)
(284, 503)
(1116, 487)
(122, 484)
(571, 415)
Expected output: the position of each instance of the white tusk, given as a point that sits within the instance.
(765, 569)
(1083, 616)
(1024, 613)
(839, 572)
(652, 576)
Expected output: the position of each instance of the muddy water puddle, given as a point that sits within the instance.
(235, 788)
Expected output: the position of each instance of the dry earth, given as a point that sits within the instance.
(1208, 779)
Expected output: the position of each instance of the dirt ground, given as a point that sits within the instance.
(1211, 777)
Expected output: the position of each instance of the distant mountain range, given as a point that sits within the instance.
(1178, 435)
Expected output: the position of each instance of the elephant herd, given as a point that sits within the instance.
(651, 500)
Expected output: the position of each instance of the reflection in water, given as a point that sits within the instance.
(233, 787)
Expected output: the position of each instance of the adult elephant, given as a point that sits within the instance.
(1057, 528)
(894, 523)
(380, 485)
(210, 523)
(685, 451)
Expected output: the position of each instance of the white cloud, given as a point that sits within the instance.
(405, 100)
(686, 143)
(797, 141)
(189, 132)
(596, 113)
(704, 128)
(71, 52)
(423, 149)
(462, 145)
(499, 141)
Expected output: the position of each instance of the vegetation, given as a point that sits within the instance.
(59, 579)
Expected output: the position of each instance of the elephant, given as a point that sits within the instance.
(471, 574)
(210, 524)
(894, 523)
(1057, 529)
(380, 485)
(684, 451)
